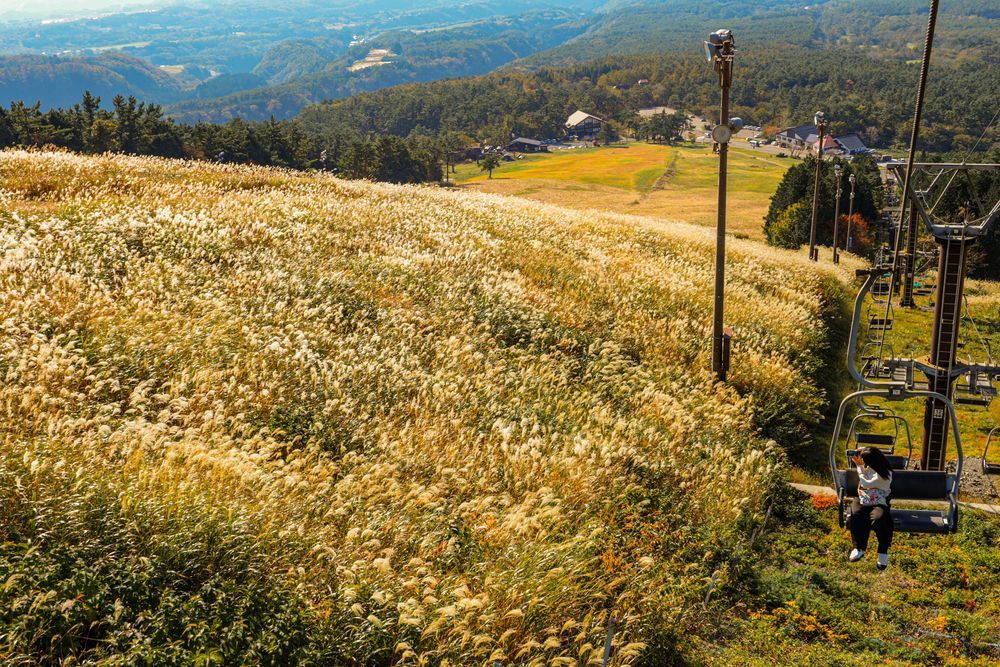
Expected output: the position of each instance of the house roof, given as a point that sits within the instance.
(852, 143)
(578, 117)
(530, 142)
(806, 133)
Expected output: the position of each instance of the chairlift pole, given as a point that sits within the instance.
(820, 120)
(944, 343)
(720, 50)
(839, 172)
(850, 214)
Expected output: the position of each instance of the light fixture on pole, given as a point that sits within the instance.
(719, 50)
(850, 213)
(820, 120)
(838, 172)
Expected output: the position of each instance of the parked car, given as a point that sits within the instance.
(782, 154)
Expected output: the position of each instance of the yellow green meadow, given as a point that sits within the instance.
(672, 182)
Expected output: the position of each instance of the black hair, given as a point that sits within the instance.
(875, 459)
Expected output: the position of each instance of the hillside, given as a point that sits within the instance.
(888, 29)
(418, 56)
(773, 86)
(258, 416)
(60, 80)
(357, 421)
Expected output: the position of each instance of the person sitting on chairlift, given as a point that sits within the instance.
(870, 510)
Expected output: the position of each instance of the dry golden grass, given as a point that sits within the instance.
(469, 428)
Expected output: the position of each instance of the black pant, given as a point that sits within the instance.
(866, 518)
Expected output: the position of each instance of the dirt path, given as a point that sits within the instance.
(815, 490)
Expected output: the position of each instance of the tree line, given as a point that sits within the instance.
(137, 128)
(789, 217)
(773, 87)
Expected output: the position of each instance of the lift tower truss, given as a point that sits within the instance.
(955, 239)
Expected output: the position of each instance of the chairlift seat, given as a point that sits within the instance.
(909, 485)
(880, 324)
(968, 398)
(897, 461)
(920, 521)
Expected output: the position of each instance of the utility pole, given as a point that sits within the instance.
(820, 120)
(839, 173)
(850, 214)
(720, 49)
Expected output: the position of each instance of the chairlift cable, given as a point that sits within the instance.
(914, 135)
(968, 154)
(983, 135)
(978, 335)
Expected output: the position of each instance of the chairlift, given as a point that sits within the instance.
(975, 388)
(885, 442)
(920, 485)
(879, 320)
(990, 468)
(873, 364)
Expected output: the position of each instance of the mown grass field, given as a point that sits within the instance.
(260, 417)
(672, 182)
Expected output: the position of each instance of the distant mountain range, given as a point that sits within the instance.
(259, 58)
(255, 59)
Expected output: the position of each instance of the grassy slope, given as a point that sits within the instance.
(277, 416)
(937, 604)
(645, 179)
(358, 421)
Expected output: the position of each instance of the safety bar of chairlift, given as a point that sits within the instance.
(891, 416)
(986, 449)
(953, 492)
(852, 344)
(907, 394)
(872, 409)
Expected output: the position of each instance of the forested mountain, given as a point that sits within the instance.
(891, 29)
(61, 80)
(413, 56)
(255, 59)
(773, 86)
(208, 50)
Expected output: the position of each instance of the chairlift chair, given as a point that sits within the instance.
(990, 468)
(874, 366)
(906, 484)
(879, 319)
(885, 442)
(975, 388)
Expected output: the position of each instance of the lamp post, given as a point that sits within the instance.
(850, 213)
(820, 120)
(838, 172)
(719, 50)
